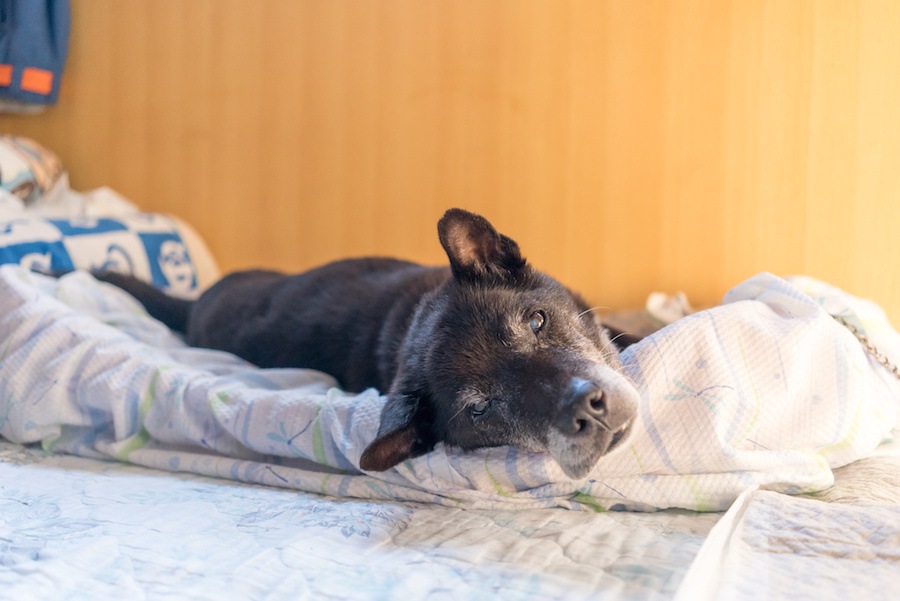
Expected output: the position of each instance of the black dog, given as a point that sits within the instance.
(489, 352)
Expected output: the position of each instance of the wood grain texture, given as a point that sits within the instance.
(627, 145)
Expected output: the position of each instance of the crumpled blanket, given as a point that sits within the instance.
(765, 390)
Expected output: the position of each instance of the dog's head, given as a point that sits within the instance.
(503, 355)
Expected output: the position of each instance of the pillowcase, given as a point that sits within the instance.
(153, 247)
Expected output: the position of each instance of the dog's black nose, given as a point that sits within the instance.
(584, 408)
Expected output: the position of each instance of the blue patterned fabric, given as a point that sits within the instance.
(148, 246)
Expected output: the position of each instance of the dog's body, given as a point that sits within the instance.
(485, 353)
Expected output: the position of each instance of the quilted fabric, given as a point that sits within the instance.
(79, 529)
(770, 546)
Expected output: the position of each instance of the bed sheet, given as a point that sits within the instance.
(78, 528)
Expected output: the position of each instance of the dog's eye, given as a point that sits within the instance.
(537, 321)
(479, 409)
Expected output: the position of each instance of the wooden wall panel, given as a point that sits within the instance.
(628, 145)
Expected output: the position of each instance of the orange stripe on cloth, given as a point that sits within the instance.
(37, 80)
(5, 75)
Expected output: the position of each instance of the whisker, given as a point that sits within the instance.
(594, 309)
(455, 415)
(611, 341)
(619, 335)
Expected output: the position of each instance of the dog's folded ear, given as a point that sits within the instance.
(399, 437)
(477, 250)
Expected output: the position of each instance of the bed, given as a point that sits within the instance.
(134, 467)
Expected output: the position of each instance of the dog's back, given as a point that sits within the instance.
(277, 320)
(356, 305)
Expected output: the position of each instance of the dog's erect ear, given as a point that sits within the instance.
(399, 435)
(476, 249)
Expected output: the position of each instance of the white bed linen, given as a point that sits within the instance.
(841, 543)
(773, 546)
(76, 528)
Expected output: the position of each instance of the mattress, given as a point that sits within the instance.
(79, 528)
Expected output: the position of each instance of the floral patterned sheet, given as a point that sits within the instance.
(766, 389)
(77, 528)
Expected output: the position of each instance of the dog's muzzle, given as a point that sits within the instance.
(594, 417)
(585, 407)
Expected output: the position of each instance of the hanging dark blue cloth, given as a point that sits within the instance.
(34, 40)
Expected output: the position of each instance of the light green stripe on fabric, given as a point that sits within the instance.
(140, 440)
(589, 501)
(136, 442)
(147, 401)
(701, 500)
(317, 439)
(218, 402)
(494, 481)
(637, 457)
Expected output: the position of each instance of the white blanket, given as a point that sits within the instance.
(77, 529)
(764, 390)
(770, 546)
